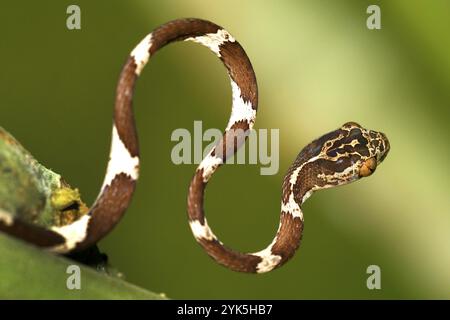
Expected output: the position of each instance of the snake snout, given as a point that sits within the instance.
(384, 151)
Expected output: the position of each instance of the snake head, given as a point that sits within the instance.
(367, 148)
(343, 155)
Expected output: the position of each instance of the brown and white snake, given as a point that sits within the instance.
(338, 157)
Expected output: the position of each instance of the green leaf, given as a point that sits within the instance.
(27, 272)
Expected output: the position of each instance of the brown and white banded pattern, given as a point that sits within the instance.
(337, 158)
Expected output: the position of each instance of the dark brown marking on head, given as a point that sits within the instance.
(231, 259)
(109, 209)
(123, 111)
(362, 150)
(195, 198)
(314, 148)
(343, 145)
(376, 143)
(288, 237)
(35, 234)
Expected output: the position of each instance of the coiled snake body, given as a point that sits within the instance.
(339, 157)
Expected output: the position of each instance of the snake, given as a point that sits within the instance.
(336, 158)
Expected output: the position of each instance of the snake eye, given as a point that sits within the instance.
(368, 167)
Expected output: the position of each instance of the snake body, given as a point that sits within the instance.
(338, 157)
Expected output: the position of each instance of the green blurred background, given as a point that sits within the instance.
(318, 66)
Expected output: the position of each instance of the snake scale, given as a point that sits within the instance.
(338, 157)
